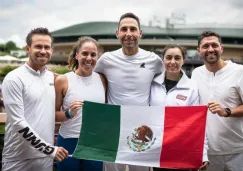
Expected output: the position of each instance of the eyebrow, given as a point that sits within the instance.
(42, 45)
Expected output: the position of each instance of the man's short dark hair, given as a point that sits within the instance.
(208, 34)
(41, 31)
(129, 15)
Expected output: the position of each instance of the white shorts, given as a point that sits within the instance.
(36, 164)
(122, 167)
(231, 162)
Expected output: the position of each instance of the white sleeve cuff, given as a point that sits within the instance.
(54, 153)
(205, 157)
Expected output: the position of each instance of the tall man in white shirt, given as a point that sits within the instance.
(129, 72)
(221, 87)
(29, 99)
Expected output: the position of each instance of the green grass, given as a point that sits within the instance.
(2, 129)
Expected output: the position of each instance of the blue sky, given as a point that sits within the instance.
(18, 17)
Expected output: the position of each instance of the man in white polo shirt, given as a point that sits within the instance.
(29, 99)
(221, 87)
(129, 72)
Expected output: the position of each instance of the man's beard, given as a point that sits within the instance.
(207, 60)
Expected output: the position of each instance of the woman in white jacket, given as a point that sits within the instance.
(174, 88)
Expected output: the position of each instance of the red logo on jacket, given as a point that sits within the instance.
(181, 97)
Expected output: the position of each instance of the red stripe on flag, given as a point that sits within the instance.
(184, 133)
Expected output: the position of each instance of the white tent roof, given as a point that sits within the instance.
(8, 58)
(24, 59)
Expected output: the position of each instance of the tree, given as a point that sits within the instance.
(10, 45)
(2, 47)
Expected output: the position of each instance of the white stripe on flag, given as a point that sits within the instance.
(133, 117)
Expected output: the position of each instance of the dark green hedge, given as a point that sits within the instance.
(60, 70)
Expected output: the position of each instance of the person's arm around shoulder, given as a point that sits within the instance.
(14, 104)
(61, 86)
(194, 75)
(159, 65)
(101, 64)
(194, 97)
(105, 84)
(55, 75)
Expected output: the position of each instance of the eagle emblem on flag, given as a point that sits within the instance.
(141, 139)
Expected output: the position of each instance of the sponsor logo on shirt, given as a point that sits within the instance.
(51, 84)
(181, 97)
(34, 141)
(142, 65)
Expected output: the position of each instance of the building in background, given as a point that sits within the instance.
(18, 53)
(154, 39)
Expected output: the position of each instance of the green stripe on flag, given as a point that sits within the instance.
(100, 131)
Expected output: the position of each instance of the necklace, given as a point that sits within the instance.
(86, 80)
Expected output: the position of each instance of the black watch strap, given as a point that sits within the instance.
(68, 114)
(228, 111)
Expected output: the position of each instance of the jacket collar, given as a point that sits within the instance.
(183, 82)
(33, 72)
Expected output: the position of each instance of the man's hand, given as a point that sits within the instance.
(204, 166)
(215, 108)
(61, 154)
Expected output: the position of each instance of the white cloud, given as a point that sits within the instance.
(15, 38)
(19, 42)
(2, 41)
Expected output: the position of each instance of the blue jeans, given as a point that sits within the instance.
(72, 163)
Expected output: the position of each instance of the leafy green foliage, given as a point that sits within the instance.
(3, 53)
(10, 45)
(60, 70)
(2, 129)
(5, 70)
(2, 47)
(7, 47)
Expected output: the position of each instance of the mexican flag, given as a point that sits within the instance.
(154, 136)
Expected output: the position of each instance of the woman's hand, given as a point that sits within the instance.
(204, 166)
(75, 106)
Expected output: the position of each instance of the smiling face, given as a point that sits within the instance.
(87, 57)
(210, 49)
(173, 61)
(129, 33)
(40, 51)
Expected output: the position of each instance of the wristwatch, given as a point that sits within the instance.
(228, 111)
(68, 113)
